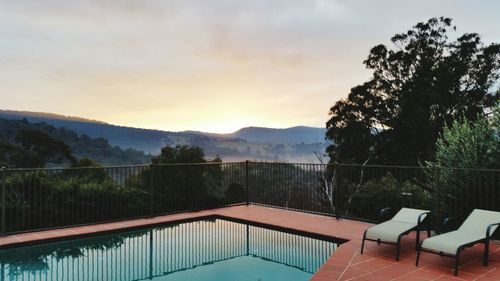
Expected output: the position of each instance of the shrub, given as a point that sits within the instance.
(386, 192)
(458, 183)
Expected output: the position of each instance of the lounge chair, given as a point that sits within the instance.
(477, 228)
(391, 231)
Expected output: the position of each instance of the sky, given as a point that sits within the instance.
(213, 66)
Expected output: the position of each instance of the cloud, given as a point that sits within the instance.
(281, 62)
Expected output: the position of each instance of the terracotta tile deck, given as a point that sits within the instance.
(346, 263)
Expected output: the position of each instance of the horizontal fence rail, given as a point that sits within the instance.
(33, 199)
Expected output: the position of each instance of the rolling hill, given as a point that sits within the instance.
(81, 146)
(251, 143)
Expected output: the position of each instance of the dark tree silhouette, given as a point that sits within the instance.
(41, 149)
(33, 149)
(189, 185)
(425, 82)
(180, 154)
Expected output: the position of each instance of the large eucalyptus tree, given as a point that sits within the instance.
(425, 81)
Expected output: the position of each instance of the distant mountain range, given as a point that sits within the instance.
(252, 143)
(299, 134)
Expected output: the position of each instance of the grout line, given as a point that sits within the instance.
(384, 267)
(347, 266)
(487, 272)
(361, 262)
(422, 268)
(417, 269)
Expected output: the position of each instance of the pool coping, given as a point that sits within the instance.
(77, 235)
(84, 231)
(50, 239)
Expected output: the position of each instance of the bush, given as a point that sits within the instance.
(385, 192)
(235, 193)
(458, 183)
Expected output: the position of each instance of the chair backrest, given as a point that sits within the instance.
(409, 215)
(478, 221)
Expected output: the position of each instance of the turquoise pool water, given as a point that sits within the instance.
(209, 249)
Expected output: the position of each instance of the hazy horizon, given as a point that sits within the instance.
(80, 118)
(213, 66)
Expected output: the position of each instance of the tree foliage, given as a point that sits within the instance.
(43, 148)
(24, 144)
(180, 154)
(463, 148)
(383, 192)
(422, 84)
(190, 185)
(467, 144)
(35, 149)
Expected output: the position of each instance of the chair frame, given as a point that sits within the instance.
(417, 228)
(485, 241)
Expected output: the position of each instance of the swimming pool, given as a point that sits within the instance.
(207, 249)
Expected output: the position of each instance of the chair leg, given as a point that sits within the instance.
(397, 252)
(486, 252)
(398, 248)
(418, 254)
(418, 239)
(363, 242)
(457, 260)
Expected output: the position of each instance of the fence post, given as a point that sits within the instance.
(4, 179)
(246, 182)
(151, 187)
(336, 190)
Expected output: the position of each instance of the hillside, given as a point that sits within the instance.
(97, 149)
(149, 141)
(300, 134)
(252, 143)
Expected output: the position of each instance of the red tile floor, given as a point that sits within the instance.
(377, 263)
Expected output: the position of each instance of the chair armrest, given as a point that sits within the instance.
(447, 222)
(488, 229)
(382, 214)
(419, 221)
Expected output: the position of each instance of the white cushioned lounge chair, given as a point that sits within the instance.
(477, 228)
(391, 231)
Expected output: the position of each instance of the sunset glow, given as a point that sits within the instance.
(202, 65)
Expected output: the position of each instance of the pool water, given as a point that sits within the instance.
(209, 249)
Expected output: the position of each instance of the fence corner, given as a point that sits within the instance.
(246, 181)
(3, 226)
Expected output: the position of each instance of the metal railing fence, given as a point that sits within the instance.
(33, 199)
(48, 198)
(361, 191)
